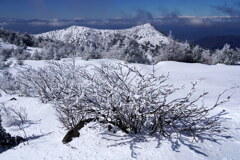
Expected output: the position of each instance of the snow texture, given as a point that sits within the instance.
(7, 45)
(94, 143)
(4, 45)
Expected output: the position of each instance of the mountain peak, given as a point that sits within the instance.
(79, 35)
(74, 27)
(145, 26)
(142, 26)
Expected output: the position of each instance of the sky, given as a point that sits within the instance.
(104, 9)
(186, 19)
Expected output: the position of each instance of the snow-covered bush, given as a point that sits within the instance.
(36, 55)
(6, 140)
(2, 62)
(134, 53)
(4, 55)
(183, 52)
(19, 39)
(18, 53)
(55, 51)
(121, 97)
(226, 55)
(7, 82)
(53, 82)
(180, 52)
(14, 116)
(134, 102)
(21, 53)
(91, 55)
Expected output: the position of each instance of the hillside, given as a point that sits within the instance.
(138, 44)
(141, 44)
(79, 35)
(95, 143)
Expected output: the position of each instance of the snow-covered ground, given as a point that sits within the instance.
(45, 131)
(5, 45)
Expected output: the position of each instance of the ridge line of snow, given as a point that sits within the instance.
(78, 34)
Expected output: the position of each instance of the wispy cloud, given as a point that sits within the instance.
(185, 27)
(140, 17)
(237, 3)
(228, 10)
(166, 12)
(173, 14)
(52, 22)
(41, 8)
(143, 15)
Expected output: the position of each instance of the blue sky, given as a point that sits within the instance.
(186, 19)
(103, 9)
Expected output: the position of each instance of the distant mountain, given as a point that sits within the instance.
(140, 44)
(217, 42)
(79, 35)
(137, 44)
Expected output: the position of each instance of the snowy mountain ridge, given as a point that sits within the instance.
(78, 35)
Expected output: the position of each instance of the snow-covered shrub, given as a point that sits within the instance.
(121, 97)
(6, 140)
(53, 82)
(18, 53)
(180, 52)
(134, 53)
(20, 62)
(36, 55)
(4, 55)
(134, 102)
(21, 54)
(2, 62)
(206, 57)
(7, 82)
(183, 52)
(170, 52)
(55, 51)
(91, 55)
(19, 39)
(14, 116)
(226, 56)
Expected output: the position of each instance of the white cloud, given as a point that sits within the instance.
(197, 21)
(38, 23)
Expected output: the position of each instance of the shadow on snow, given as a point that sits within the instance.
(176, 142)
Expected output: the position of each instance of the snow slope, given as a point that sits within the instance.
(79, 35)
(95, 143)
(4, 45)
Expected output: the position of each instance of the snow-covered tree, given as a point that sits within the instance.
(197, 53)
(226, 55)
(21, 54)
(175, 51)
